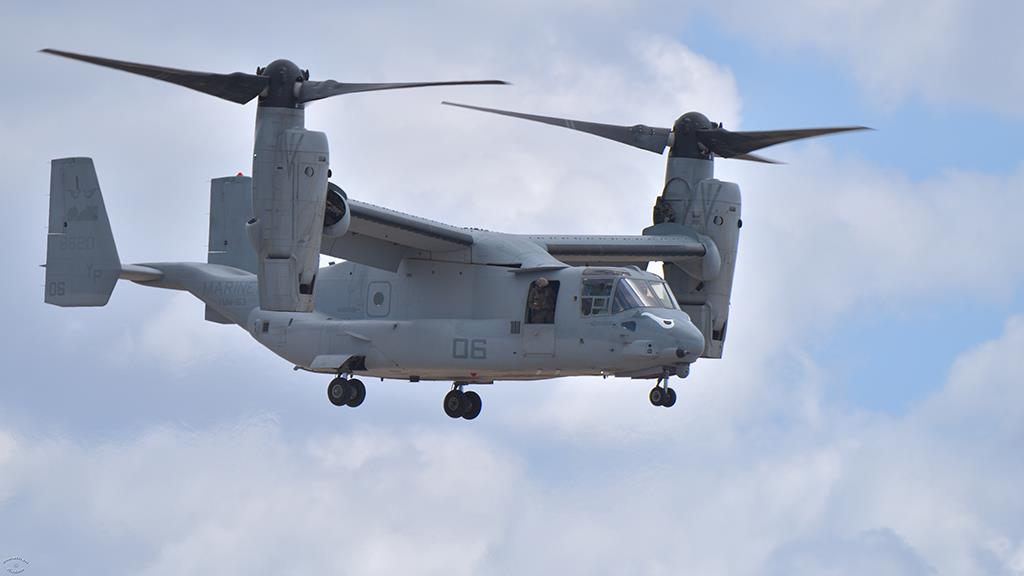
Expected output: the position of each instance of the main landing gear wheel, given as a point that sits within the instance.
(459, 404)
(454, 403)
(343, 392)
(338, 391)
(357, 393)
(473, 405)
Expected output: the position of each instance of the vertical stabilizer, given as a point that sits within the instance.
(230, 209)
(81, 259)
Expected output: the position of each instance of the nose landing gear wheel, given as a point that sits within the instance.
(657, 396)
(665, 397)
(670, 398)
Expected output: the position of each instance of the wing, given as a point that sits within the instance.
(412, 231)
(621, 250)
(381, 237)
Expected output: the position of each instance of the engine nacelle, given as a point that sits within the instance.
(336, 214)
(694, 199)
(289, 186)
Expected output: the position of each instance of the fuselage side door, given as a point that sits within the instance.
(539, 327)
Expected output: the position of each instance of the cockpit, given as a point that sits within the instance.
(601, 296)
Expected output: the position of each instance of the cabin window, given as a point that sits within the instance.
(596, 296)
(540, 302)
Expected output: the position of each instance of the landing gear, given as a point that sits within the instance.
(454, 403)
(670, 398)
(657, 395)
(473, 405)
(342, 392)
(337, 391)
(357, 393)
(459, 404)
(662, 395)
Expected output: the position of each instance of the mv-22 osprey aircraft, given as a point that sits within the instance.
(416, 299)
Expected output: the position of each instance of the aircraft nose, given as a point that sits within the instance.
(689, 338)
(680, 339)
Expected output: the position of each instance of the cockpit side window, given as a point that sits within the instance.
(596, 296)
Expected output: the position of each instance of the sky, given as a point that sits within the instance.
(868, 416)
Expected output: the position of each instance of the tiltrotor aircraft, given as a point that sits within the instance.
(416, 299)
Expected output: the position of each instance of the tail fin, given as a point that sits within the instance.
(230, 209)
(82, 266)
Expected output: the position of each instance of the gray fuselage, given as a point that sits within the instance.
(467, 323)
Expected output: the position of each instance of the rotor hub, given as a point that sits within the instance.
(685, 143)
(692, 121)
(281, 91)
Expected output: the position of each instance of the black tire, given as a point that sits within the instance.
(473, 405)
(454, 404)
(337, 391)
(670, 398)
(657, 396)
(357, 393)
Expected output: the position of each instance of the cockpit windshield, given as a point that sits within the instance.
(601, 296)
(636, 293)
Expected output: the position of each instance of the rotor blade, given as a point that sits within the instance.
(732, 144)
(237, 87)
(640, 136)
(756, 158)
(318, 89)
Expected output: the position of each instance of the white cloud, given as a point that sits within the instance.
(7, 447)
(8, 451)
(178, 334)
(245, 500)
(825, 235)
(943, 52)
(877, 551)
(688, 81)
(845, 494)
(173, 335)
